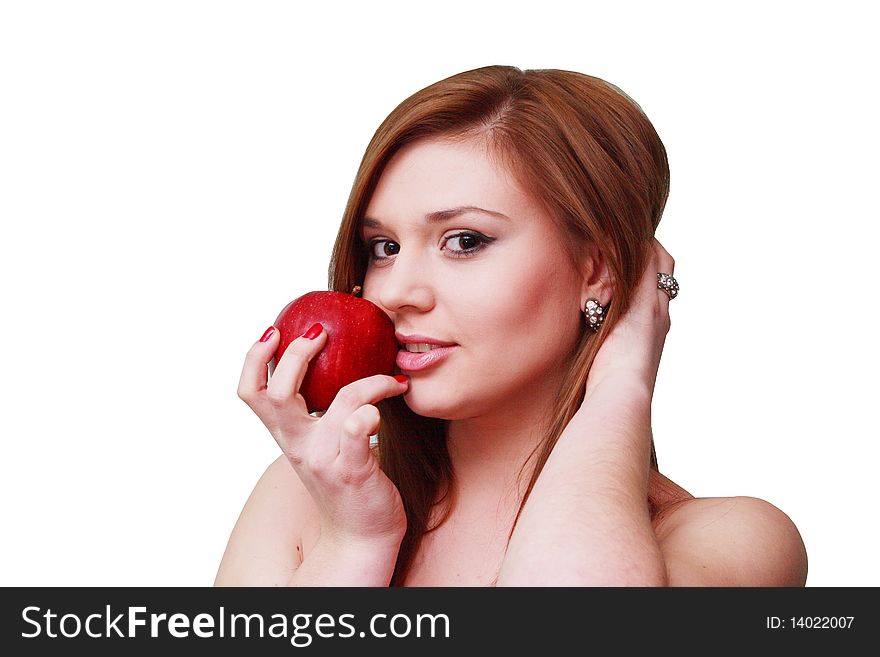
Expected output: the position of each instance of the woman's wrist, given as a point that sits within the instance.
(623, 384)
(352, 545)
(335, 562)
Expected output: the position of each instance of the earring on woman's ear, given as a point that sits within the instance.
(356, 290)
(594, 314)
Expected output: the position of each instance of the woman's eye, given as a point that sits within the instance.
(463, 245)
(465, 242)
(373, 249)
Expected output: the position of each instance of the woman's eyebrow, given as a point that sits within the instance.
(442, 215)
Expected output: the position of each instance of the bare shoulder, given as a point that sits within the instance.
(265, 547)
(730, 541)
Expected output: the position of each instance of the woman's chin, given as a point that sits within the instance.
(429, 405)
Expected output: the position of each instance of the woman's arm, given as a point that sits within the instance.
(347, 565)
(587, 522)
(263, 549)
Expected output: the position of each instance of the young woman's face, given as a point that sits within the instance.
(495, 283)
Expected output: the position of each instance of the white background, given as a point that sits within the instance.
(173, 173)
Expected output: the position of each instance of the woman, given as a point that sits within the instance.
(509, 215)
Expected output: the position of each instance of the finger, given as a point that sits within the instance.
(369, 390)
(254, 374)
(291, 368)
(665, 265)
(356, 431)
(646, 287)
(665, 262)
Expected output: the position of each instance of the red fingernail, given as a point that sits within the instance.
(403, 378)
(267, 334)
(313, 332)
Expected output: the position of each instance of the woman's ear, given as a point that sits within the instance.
(596, 278)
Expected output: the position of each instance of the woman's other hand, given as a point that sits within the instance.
(631, 351)
(357, 502)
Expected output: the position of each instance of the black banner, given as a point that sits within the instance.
(433, 620)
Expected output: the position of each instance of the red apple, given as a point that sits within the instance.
(360, 342)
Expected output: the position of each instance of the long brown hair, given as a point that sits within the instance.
(590, 157)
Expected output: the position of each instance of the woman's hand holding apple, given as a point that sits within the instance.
(357, 502)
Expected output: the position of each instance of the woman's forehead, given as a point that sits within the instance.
(432, 176)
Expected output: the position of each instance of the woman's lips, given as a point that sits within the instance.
(409, 361)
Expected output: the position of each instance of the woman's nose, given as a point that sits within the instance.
(405, 284)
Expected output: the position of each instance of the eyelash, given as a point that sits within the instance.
(482, 242)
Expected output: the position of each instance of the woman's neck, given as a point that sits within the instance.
(488, 452)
